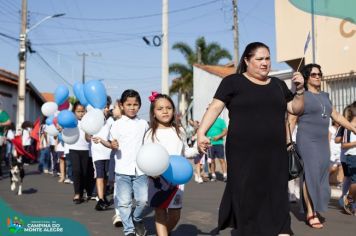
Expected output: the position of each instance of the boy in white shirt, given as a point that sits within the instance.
(126, 135)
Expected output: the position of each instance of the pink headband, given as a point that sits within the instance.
(153, 97)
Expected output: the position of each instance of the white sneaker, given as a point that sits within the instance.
(68, 181)
(116, 220)
(213, 177)
(196, 177)
(200, 180)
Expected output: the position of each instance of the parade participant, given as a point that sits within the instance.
(126, 135)
(349, 145)
(255, 201)
(101, 157)
(164, 197)
(216, 133)
(313, 144)
(82, 165)
(4, 121)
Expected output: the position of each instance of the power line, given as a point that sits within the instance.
(50, 67)
(9, 37)
(138, 17)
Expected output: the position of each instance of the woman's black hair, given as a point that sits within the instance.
(130, 93)
(153, 120)
(306, 70)
(250, 51)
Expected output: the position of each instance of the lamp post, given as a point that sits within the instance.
(22, 62)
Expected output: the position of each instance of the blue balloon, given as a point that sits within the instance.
(49, 120)
(67, 119)
(179, 171)
(95, 93)
(61, 94)
(60, 139)
(78, 90)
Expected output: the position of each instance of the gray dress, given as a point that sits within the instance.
(313, 146)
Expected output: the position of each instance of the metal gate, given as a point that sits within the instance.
(341, 88)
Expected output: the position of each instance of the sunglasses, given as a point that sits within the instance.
(313, 75)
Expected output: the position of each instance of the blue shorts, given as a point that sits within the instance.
(351, 164)
(101, 169)
(216, 151)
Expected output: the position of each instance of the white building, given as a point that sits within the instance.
(8, 97)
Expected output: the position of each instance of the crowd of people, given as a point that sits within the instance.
(253, 164)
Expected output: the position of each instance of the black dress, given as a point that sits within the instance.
(255, 201)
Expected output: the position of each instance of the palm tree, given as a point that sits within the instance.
(209, 54)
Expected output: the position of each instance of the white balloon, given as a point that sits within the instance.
(152, 159)
(49, 108)
(89, 107)
(51, 130)
(70, 135)
(70, 107)
(92, 121)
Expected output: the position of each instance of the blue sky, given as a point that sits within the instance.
(111, 32)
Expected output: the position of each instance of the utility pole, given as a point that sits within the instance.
(83, 65)
(236, 33)
(84, 55)
(21, 89)
(165, 68)
(313, 29)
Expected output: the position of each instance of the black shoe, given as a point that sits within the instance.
(140, 228)
(78, 200)
(101, 205)
(131, 234)
(107, 202)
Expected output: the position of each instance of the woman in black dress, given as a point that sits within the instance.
(255, 201)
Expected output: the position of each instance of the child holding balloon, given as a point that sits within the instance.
(164, 130)
(126, 135)
(83, 172)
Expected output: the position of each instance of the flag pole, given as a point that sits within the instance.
(305, 50)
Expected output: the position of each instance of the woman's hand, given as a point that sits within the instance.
(298, 81)
(203, 143)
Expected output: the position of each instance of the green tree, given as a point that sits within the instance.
(209, 54)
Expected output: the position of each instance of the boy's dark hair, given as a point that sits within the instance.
(130, 93)
(153, 121)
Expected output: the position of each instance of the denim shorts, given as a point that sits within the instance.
(101, 169)
(351, 164)
(216, 151)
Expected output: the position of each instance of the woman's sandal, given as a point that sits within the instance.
(316, 225)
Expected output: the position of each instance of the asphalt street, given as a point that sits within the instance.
(44, 196)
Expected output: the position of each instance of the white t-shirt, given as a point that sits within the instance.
(129, 133)
(81, 144)
(26, 139)
(60, 146)
(175, 145)
(98, 150)
(169, 139)
(335, 148)
(351, 151)
(10, 135)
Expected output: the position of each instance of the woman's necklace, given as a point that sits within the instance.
(323, 108)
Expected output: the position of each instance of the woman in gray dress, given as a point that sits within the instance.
(313, 144)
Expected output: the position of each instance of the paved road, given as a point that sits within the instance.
(44, 196)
